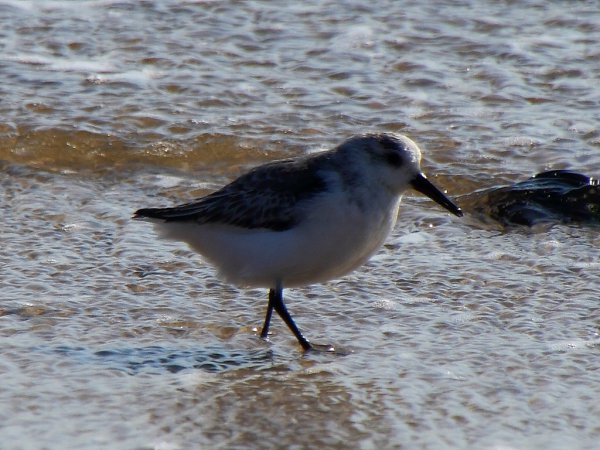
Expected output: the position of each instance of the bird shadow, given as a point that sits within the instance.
(158, 359)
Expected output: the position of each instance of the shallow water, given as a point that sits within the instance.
(461, 334)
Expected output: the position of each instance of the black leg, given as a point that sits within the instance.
(276, 302)
(265, 329)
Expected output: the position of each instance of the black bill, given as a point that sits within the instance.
(424, 186)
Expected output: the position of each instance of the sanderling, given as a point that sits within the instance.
(302, 220)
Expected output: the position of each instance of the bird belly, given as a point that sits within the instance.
(329, 243)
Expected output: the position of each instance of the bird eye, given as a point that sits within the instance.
(393, 159)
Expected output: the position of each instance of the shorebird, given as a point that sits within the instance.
(304, 220)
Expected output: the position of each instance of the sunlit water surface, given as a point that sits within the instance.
(460, 334)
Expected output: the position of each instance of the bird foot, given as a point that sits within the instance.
(328, 348)
(321, 348)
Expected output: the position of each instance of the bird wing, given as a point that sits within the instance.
(269, 196)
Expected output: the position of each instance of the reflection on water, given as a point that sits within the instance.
(461, 334)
